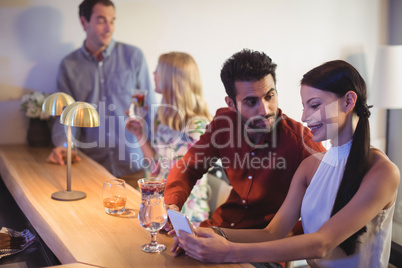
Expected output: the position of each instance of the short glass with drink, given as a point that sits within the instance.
(137, 108)
(114, 196)
(152, 215)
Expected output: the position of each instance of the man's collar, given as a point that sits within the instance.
(106, 53)
(109, 49)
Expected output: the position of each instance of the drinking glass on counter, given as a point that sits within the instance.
(152, 215)
(137, 108)
(114, 196)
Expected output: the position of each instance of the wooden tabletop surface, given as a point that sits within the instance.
(80, 231)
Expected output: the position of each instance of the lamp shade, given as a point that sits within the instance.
(387, 78)
(80, 114)
(54, 103)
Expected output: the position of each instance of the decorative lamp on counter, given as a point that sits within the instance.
(77, 114)
(55, 103)
(73, 114)
(387, 82)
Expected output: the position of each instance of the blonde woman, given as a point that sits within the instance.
(179, 122)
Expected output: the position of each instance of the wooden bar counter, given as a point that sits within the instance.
(80, 232)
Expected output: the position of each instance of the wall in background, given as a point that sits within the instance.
(395, 131)
(298, 35)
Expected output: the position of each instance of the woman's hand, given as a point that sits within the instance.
(176, 249)
(205, 246)
(168, 226)
(136, 126)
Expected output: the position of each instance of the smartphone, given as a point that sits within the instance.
(180, 221)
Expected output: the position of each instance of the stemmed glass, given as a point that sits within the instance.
(137, 108)
(152, 215)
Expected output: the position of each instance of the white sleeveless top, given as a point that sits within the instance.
(373, 248)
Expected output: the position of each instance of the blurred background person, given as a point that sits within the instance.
(104, 73)
(180, 120)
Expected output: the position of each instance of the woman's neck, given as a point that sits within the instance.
(346, 133)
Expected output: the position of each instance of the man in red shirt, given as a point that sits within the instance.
(259, 146)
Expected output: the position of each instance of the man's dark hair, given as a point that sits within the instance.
(246, 65)
(86, 7)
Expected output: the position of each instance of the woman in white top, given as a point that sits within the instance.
(345, 197)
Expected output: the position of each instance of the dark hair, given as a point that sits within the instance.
(339, 77)
(86, 7)
(245, 65)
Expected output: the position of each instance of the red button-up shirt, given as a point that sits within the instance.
(260, 174)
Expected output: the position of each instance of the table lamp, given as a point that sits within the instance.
(387, 82)
(55, 103)
(77, 114)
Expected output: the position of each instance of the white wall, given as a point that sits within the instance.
(298, 35)
(395, 131)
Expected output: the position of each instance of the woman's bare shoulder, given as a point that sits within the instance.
(314, 159)
(309, 166)
(382, 166)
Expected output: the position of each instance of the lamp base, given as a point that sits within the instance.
(68, 195)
